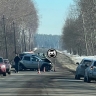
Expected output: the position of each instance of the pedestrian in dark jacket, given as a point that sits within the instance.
(16, 60)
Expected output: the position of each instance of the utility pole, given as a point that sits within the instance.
(14, 37)
(5, 36)
(24, 40)
(29, 39)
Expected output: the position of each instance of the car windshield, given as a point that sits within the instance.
(87, 62)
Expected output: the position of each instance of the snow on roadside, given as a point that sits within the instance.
(77, 58)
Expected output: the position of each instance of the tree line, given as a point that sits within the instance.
(79, 30)
(18, 24)
(47, 41)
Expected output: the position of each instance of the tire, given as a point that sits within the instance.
(9, 72)
(85, 79)
(78, 77)
(88, 80)
(4, 74)
(46, 68)
(75, 76)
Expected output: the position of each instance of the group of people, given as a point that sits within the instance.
(16, 60)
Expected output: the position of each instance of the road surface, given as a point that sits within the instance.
(59, 83)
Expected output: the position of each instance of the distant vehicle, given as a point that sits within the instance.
(8, 66)
(2, 67)
(90, 72)
(31, 62)
(80, 70)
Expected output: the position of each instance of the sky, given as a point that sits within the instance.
(52, 15)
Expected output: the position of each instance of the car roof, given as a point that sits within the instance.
(28, 52)
(30, 55)
(5, 59)
(91, 59)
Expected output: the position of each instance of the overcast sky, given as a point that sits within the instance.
(52, 14)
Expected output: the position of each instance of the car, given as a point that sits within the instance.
(31, 62)
(90, 72)
(2, 67)
(8, 66)
(80, 70)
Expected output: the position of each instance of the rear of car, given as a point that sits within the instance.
(2, 67)
(90, 72)
(80, 70)
(8, 66)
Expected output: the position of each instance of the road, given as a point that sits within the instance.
(59, 83)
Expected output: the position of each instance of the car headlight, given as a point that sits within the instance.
(3, 66)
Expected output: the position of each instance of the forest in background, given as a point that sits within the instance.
(79, 30)
(18, 24)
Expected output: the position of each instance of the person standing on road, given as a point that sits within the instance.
(16, 60)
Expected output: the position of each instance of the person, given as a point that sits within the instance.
(16, 60)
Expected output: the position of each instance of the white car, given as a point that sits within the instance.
(80, 70)
(90, 72)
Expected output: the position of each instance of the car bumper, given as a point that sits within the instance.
(2, 70)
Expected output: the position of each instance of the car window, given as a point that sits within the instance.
(87, 62)
(6, 61)
(33, 59)
(95, 63)
(27, 58)
(1, 60)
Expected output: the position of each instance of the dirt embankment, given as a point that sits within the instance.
(66, 61)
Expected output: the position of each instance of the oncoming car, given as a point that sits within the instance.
(80, 70)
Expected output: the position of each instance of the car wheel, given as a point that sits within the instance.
(78, 77)
(75, 76)
(4, 74)
(9, 72)
(46, 68)
(88, 80)
(85, 79)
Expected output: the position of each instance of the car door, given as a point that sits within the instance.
(26, 61)
(34, 62)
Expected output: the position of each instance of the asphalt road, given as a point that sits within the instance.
(59, 83)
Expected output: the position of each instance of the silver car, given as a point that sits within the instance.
(8, 66)
(33, 62)
(90, 72)
(80, 70)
